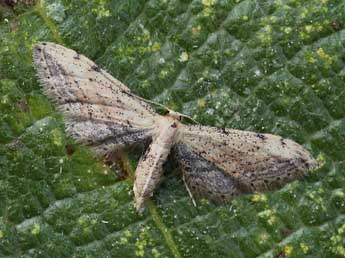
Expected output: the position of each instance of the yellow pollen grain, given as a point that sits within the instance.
(208, 3)
(288, 250)
(308, 28)
(321, 53)
(156, 46)
(36, 229)
(288, 30)
(184, 57)
(259, 197)
(201, 103)
(304, 247)
(340, 250)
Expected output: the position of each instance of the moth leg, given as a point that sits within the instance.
(203, 178)
(188, 190)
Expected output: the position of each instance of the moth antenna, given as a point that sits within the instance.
(147, 101)
(164, 107)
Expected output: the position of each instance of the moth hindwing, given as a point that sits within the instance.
(103, 114)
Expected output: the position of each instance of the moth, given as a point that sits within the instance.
(216, 163)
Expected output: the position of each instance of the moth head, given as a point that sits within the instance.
(176, 115)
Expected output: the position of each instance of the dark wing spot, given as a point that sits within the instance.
(202, 152)
(96, 68)
(261, 136)
(129, 123)
(77, 57)
(224, 131)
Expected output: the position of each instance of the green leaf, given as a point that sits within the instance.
(268, 66)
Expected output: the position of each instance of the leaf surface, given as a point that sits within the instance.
(268, 66)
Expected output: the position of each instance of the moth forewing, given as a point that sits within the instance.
(99, 110)
(256, 161)
(69, 77)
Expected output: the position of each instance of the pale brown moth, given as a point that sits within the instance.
(217, 163)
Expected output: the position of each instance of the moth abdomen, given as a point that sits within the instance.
(149, 169)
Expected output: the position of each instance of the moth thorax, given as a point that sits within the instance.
(175, 115)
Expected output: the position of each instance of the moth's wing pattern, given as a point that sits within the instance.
(99, 110)
(203, 178)
(256, 162)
